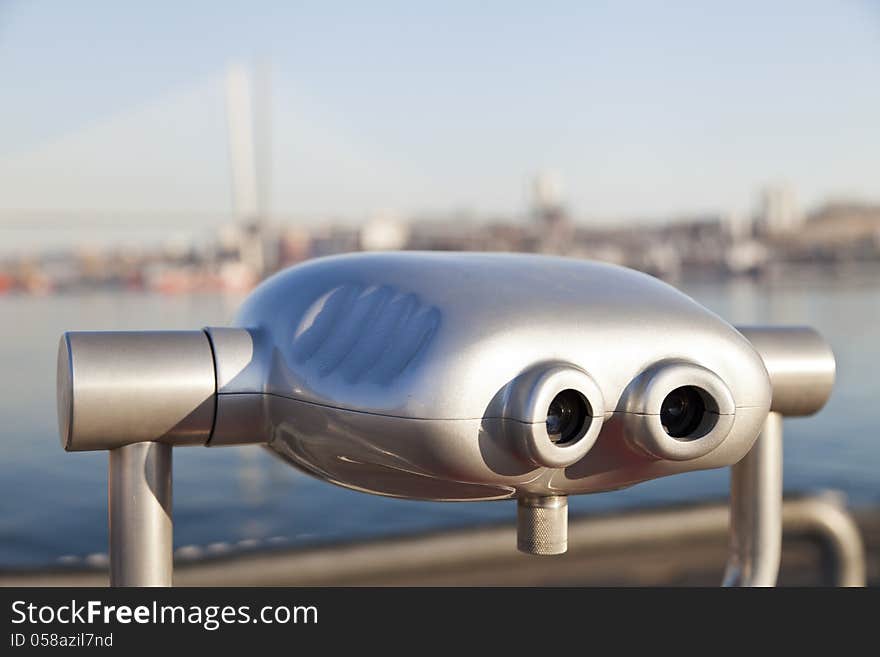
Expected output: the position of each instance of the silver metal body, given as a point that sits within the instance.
(140, 517)
(419, 375)
(439, 376)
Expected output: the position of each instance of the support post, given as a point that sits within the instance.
(542, 524)
(140, 516)
(756, 510)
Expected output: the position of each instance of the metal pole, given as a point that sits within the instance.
(141, 526)
(756, 510)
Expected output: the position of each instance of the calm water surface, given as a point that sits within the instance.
(53, 504)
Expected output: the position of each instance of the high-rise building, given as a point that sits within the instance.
(554, 229)
(547, 197)
(779, 213)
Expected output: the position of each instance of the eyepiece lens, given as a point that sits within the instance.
(682, 412)
(567, 416)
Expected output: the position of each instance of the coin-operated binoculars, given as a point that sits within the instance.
(450, 377)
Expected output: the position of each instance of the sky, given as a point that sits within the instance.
(644, 110)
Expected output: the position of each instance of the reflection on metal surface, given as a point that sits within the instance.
(366, 335)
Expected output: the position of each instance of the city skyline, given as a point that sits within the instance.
(645, 112)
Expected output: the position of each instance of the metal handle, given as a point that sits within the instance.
(137, 394)
(121, 387)
(801, 367)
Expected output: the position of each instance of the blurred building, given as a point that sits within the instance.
(384, 232)
(552, 223)
(841, 231)
(779, 213)
(740, 226)
(294, 245)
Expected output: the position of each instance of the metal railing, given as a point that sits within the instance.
(483, 555)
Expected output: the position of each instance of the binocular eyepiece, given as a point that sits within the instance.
(568, 417)
(683, 412)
